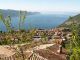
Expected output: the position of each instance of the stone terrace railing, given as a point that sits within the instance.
(35, 56)
(3, 57)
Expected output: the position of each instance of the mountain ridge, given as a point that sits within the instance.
(74, 19)
(14, 13)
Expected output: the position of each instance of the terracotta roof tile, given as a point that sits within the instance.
(51, 53)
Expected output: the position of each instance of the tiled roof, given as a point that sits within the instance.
(6, 52)
(51, 53)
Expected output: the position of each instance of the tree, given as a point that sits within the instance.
(22, 17)
(6, 21)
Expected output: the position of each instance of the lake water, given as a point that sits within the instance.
(44, 21)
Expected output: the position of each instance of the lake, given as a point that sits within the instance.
(42, 21)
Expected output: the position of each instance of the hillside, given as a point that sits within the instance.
(75, 19)
(14, 13)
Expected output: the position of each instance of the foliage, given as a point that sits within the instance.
(74, 45)
(68, 22)
(22, 17)
(7, 20)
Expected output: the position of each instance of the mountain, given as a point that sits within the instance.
(71, 20)
(14, 13)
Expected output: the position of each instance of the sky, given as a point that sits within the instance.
(42, 5)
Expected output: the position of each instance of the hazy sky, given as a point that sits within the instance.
(41, 5)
